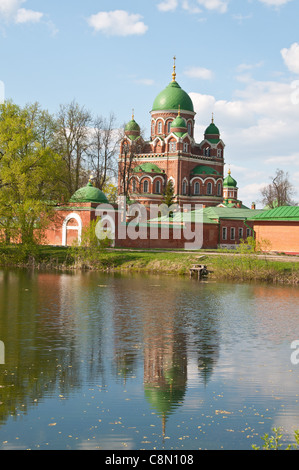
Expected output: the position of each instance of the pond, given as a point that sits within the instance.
(131, 362)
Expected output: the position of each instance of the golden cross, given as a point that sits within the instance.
(174, 74)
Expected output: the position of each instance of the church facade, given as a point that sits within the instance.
(172, 154)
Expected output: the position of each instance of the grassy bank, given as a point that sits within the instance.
(221, 266)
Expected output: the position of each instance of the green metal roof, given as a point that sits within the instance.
(204, 170)
(173, 97)
(147, 168)
(231, 212)
(208, 215)
(283, 213)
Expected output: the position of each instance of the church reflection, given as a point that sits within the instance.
(167, 342)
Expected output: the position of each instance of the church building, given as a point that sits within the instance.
(172, 154)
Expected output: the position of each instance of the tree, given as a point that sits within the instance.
(29, 171)
(73, 142)
(125, 169)
(102, 150)
(279, 192)
(168, 195)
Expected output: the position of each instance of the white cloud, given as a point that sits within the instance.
(117, 23)
(219, 5)
(168, 5)
(275, 3)
(25, 16)
(291, 57)
(8, 8)
(11, 11)
(194, 6)
(199, 72)
(259, 126)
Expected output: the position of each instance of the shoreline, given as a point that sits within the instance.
(232, 266)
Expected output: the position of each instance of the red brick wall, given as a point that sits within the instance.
(283, 236)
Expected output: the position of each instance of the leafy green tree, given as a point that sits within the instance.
(29, 172)
(168, 195)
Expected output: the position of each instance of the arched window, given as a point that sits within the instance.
(172, 146)
(219, 189)
(209, 189)
(184, 188)
(158, 187)
(160, 127)
(207, 151)
(134, 186)
(168, 127)
(189, 128)
(196, 188)
(145, 186)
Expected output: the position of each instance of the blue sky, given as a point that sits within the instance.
(238, 59)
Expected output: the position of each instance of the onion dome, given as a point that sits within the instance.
(229, 182)
(173, 96)
(89, 193)
(212, 132)
(178, 125)
(132, 129)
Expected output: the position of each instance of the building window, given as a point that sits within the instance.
(172, 146)
(207, 151)
(134, 186)
(248, 232)
(145, 186)
(196, 188)
(240, 233)
(159, 127)
(153, 127)
(168, 127)
(184, 188)
(232, 233)
(219, 153)
(219, 189)
(224, 233)
(209, 189)
(189, 128)
(158, 187)
(186, 147)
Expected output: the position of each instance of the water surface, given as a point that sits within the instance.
(95, 361)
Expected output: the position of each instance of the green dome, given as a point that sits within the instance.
(132, 129)
(178, 122)
(147, 168)
(89, 194)
(229, 182)
(212, 130)
(172, 97)
(132, 126)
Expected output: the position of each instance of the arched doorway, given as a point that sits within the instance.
(71, 229)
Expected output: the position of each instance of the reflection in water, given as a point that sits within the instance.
(171, 342)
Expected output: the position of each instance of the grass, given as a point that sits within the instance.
(231, 266)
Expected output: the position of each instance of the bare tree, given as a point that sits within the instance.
(73, 141)
(103, 150)
(126, 166)
(279, 192)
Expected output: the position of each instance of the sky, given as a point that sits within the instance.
(238, 59)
